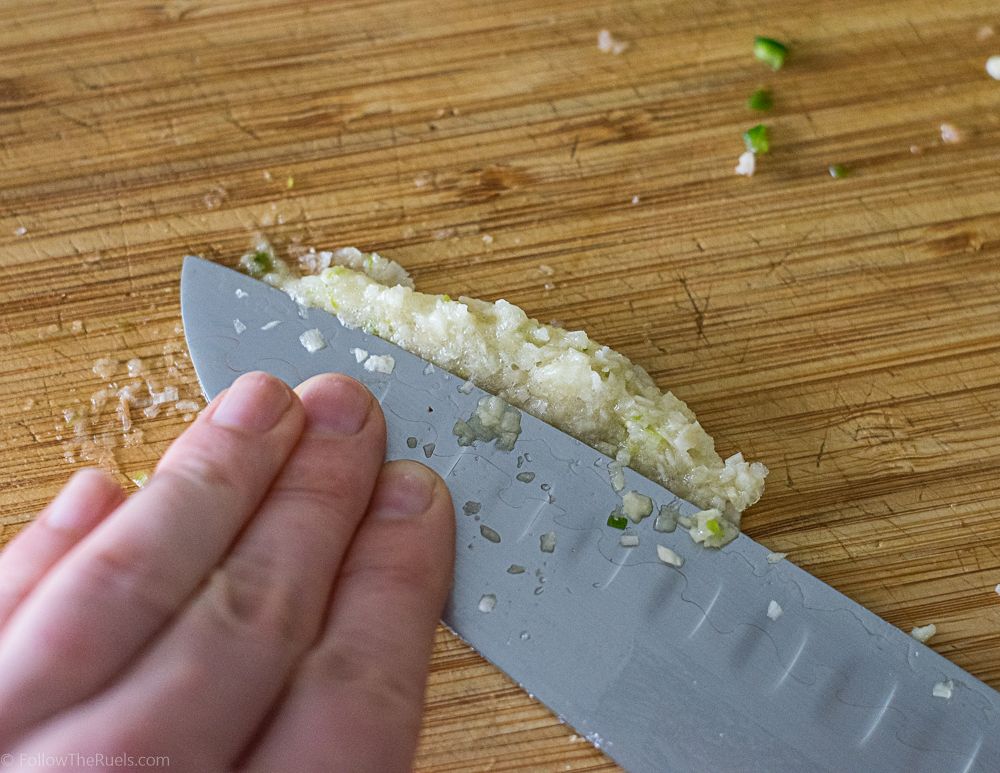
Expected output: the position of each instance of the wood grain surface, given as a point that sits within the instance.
(845, 332)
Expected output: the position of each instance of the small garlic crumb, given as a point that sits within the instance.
(774, 610)
(747, 164)
(271, 325)
(669, 557)
(241, 293)
(773, 558)
(548, 542)
(487, 602)
(491, 534)
(636, 506)
(20, 231)
(629, 540)
(993, 67)
(488, 239)
(240, 327)
(360, 354)
(943, 689)
(923, 633)
(950, 134)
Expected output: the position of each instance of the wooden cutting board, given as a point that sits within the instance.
(846, 332)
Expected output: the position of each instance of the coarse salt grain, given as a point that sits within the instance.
(950, 134)
(747, 164)
(607, 44)
(380, 363)
(774, 610)
(312, 340)
(943, 689)
(993, 67)
(105, 367)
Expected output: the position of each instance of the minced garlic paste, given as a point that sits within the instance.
(561, 377)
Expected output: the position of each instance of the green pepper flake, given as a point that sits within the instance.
(617, 521)
(839, 172)
(258, 264)
(713, 526)
(756, 139)
(761, 101)
(770, 52)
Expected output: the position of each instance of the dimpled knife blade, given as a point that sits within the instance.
(667, 669)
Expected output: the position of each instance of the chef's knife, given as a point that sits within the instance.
(667, 669)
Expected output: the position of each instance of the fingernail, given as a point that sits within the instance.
(404, 490)
(82, 501)
(255, 402)
(336, 405)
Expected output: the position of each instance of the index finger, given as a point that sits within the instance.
(93, 612)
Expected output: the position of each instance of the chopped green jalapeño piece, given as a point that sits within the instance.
(617, 521)
(839, 171)
(761, 101)
(715, 527)
(770, 51)
(756, 139)
(258, 263)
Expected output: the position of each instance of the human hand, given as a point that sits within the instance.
(267, 602)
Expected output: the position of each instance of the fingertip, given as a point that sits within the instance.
(336, 404)
(255, 402)
(406, 490)
(412, 511)
(86, 499)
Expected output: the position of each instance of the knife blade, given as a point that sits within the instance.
(667, 669)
